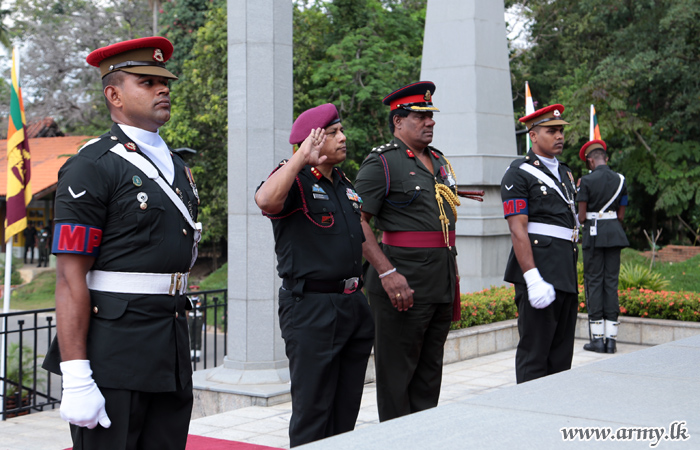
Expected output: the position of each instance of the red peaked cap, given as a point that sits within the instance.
(548, 116)
(318, 117)
(590, 146)
(144, 56)
(412, 97)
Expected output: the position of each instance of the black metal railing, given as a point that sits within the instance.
(27, 335)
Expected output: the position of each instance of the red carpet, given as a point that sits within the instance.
(195, 442)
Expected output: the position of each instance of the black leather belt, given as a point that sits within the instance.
(347, 286)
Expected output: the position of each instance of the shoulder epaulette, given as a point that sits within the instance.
(386, 147)
(96, 148)
(519, 161)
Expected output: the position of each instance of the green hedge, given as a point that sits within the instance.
(497, 304)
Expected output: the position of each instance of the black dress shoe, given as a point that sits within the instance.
(610, 346)
(596, 345)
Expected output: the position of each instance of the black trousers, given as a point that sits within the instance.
(328, 339)
(601, 271)
(140, 421)
(546, 343)
(408, 351)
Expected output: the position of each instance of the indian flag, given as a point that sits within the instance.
(594, 129)
(529, 109)
(19, 191)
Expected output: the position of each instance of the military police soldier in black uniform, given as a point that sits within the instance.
(602, 199)
(538, 202)
(412, 280)
(325, 320)
(125, 238)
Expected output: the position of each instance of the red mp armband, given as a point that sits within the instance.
(515, 206)
(77, 239)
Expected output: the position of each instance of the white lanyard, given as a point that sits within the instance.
(151, 172)
(537, 173)
(619, 188)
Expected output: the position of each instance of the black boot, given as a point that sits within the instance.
(610, 345)
(596, 345)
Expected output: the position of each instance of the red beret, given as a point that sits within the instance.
(144, 56)
(412, 97)
(590, 146)
(548, 116)
(318, 117)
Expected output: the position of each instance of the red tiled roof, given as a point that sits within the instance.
(47, 156)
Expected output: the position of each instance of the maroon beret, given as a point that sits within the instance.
(144, 56)
(318, 117)
(590, 146)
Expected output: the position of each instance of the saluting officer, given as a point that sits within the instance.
(409, 188)
(602, 199)
(125, 239)
(325, 320)
(538, 201)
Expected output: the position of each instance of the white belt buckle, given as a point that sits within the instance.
(175, 283)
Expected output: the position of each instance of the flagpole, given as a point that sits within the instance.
(529, 109)
(591, 133)
(5, 310)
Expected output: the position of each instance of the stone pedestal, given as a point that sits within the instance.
(260, 109)
(465, 54)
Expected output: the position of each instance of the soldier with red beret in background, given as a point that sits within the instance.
(602, 199)
(125, 239)
(538, 195)
(325, 320)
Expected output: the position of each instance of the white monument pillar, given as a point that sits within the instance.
(260, 110)
(465, 54)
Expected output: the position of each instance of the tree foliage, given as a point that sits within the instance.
(179, 21)
(200, 120)
(637, 61)
(352, 53)
(55, 36)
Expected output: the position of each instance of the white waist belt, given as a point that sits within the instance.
(601, 216)
(568, 234)
(137, 283)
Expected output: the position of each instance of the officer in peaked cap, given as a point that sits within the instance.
(602, 199)
(325, 320)
(538, 202)
(412, 280)
(125, 239)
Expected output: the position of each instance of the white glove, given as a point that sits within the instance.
(82, 403)
(539, 292)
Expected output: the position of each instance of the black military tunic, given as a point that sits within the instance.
(328, 333)
(399, 191)
(135, 342)
(601, 252)
(546, 335)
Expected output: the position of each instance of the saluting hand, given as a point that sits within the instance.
(310, 149)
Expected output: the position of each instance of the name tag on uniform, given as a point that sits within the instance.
(320, 196)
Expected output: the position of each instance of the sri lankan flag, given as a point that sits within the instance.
(19, 190)
(594, 132)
